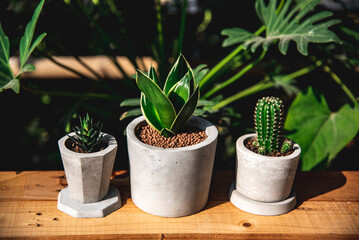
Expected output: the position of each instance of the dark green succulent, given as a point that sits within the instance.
(268, 119)
(88, 135)
(168, 108)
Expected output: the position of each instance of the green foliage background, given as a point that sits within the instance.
(315, 78)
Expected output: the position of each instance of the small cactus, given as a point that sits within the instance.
(268, 119)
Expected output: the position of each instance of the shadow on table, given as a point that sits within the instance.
(219, 191)
(121, 180)
(310, 185)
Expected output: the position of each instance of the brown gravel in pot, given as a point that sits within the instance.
(188, 136)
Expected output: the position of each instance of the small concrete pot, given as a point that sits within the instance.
(172, 182)
(88, 176)
(265, 180)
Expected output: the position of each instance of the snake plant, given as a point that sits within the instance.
(168, 107)
(88, 135)
(268, 119)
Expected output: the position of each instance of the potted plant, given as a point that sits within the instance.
(266, 164)
(171, 154)
(88, 156)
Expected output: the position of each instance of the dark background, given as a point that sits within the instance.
(33, 122)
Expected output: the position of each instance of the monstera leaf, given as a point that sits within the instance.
(7, 79)
(284, 26)
(321, 133)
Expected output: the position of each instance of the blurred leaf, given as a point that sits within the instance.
(203, 102)
(320, 133)
(235, 35)
(26, 40)
(199, 112)
(199, 72)
(286, 26)
(6, 74)
(13, 84)
(130, 102)
(27, 68)
(351, 33)
(7, 78)
(131, 113)
(46, 99)
(288, 87)
(36, 43)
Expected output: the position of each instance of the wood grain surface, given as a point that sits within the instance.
(328, 208)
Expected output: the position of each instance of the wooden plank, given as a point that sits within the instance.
(41, 218)
(34, 185)
(194, 236)
(328, 209)
(327, 186)
(318, 186)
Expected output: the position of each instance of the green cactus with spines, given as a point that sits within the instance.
(268, 119)
(88, 134)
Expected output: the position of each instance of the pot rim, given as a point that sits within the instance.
(240, 146)
(112, 144)
(211, 131)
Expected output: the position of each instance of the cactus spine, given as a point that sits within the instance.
(268, 119)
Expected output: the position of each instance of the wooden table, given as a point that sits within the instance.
(328, 208)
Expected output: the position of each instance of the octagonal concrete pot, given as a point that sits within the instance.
(264, 181)
(88, 176)
(172, 182)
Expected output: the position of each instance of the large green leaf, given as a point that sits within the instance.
(186, 111)
(150, 113)
(6, 74)
(200, 71)
(181, 91)
(25, 42)
(178, 71)
(152, 74)
(286, 26)
(165, 109)
(321, 133)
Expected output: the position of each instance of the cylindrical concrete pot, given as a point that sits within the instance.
(262, 178)
(88, 174)
(172, 182)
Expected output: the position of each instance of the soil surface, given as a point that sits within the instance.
(188, 136)
(249, 145)
(70, 144)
